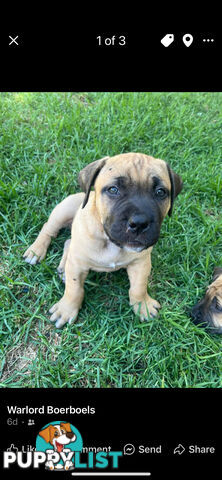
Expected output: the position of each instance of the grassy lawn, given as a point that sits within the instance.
(45, 139)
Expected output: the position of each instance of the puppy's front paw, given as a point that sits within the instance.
(147, 308)
(68, 465)
(63, 312)
(35, 253)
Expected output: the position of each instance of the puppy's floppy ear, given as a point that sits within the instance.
(176, 186)
(88, 175)
(48, 433)
(66, 426)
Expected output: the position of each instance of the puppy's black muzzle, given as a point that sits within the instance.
(138, 223)
(202, 312)
(198, 314)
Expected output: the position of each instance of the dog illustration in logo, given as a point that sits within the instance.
(58, 436)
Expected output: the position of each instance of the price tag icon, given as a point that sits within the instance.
(167, 40)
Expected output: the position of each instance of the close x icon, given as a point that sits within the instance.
(13, 40)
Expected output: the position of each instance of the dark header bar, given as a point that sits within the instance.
(101, 59)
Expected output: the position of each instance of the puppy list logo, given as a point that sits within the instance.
(58, 447)
(59, 440)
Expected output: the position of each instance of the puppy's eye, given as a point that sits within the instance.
(113, 190)
(160, 192)
(56, 434)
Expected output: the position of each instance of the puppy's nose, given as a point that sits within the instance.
(137, 223)
(197, 314)
(70, 434)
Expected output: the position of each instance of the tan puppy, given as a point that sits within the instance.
(208, 311)
(113, 227)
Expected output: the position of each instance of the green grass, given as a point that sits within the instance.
(45, 139)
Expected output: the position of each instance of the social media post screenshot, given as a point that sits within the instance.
(111, 255)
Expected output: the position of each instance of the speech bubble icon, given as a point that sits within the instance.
(128, 449)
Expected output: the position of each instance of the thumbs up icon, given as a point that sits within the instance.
(12, 448)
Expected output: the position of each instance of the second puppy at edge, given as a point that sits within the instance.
(115, 226)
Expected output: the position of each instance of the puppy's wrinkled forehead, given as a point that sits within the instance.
(135, 168)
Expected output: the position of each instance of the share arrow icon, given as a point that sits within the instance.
(179, 449)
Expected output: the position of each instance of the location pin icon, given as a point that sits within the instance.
(187, 39)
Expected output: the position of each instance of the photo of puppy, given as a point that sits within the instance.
(208, 311)
(115, 226)
(90, 195)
